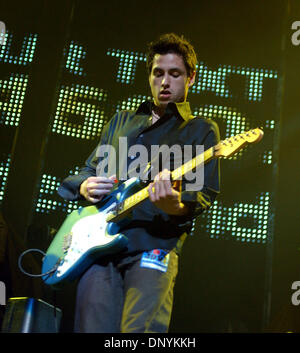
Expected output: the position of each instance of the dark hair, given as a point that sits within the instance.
(172, 43)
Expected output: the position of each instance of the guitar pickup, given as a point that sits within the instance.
(110, 216)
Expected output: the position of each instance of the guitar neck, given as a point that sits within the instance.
(224, 148)
(135, 199)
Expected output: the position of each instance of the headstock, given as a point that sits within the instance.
(230, 146)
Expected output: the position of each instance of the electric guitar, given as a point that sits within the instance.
(92, 232)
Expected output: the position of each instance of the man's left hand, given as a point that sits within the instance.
(164, 196)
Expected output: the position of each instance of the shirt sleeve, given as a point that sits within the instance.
(199, 201)
(70, 186)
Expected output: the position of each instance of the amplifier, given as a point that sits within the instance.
(29, 315)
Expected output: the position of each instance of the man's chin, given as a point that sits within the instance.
(163, 103)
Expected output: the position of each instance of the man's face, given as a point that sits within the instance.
(168, 79)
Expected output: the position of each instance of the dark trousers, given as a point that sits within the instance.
(121, 296)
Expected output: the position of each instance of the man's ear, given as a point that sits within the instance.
(192, 78)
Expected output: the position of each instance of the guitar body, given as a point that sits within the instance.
(86, 236)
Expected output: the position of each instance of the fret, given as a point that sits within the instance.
(135, 199)
(192, 164)
(127, 203)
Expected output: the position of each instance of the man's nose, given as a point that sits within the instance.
(165, 81)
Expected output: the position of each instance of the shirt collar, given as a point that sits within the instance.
(181, 109)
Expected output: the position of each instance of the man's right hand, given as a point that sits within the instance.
(94, 188)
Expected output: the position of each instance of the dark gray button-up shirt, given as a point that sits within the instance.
(150, 227)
